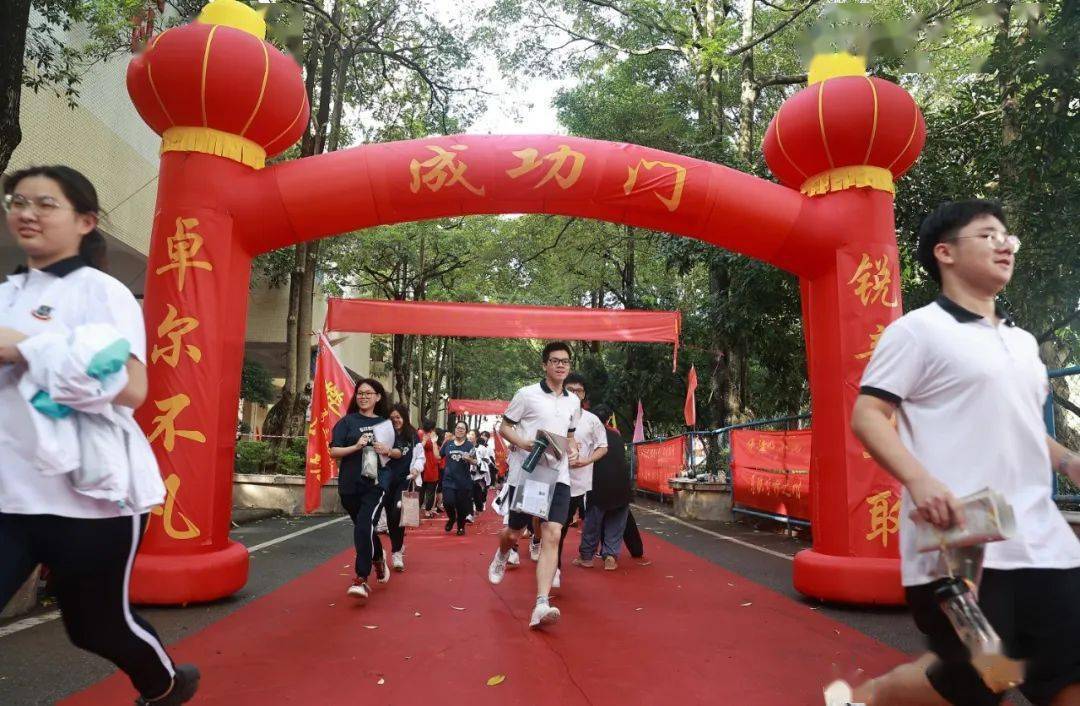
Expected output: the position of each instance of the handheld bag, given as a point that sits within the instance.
(410, 508)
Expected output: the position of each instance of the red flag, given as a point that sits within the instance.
(639, 424)
(690, 406)
(501, 453)
(331, 393)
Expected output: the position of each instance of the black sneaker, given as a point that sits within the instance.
(461, 533)
(449, 526)
(185, 684)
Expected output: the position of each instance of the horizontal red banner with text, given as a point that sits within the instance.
(771, 471)
(481, 407)
(657, 461)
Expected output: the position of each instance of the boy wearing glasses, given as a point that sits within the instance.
(546, 406)
(968, 388)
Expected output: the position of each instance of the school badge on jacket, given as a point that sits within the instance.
(42, 313)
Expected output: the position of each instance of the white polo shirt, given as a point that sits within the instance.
(536, 407)
(590, 436)
(57, 299)
(970, 398)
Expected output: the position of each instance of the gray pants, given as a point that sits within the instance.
(612, 522)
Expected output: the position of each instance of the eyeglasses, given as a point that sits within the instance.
(559, 362)
(366, 394)
(996, 240)
(42, 206)
(576, 390)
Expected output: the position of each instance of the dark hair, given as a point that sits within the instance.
(602, 411)
(462, 423)
(428, 425)
(578, 379)
(83, 197)
(382, 407)
(555, 346)
(408, 432)
(945, 222)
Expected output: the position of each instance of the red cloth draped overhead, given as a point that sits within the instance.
(481, 407)
(503, 321)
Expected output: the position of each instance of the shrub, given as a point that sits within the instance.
(251, 455)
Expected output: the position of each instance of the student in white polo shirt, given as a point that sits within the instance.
(968, 388)
(89, 544)
(549, 407)
(592, 446)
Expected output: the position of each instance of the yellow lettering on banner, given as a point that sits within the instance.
(672, 201)
(874, 337)
(530, 160)
(168, 513)
(872, 279)
(183, 248)
(444, 169)
(175, 328)
(334, 398)
(884, 518)
(165, 424)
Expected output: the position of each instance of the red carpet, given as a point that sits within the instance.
(681, 630)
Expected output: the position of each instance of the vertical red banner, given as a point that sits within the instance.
(196, 292)
(331, 394)
(869, 285)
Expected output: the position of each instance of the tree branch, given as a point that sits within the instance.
(1049, 333)
(795, 15)
(780, 80)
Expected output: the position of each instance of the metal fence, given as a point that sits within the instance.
(1057, 412)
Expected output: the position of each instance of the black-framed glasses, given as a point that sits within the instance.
(996, 240)
(366, 394)
(41, 205)
(560, 362)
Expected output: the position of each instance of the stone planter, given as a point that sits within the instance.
(284, 493)
(702, 501)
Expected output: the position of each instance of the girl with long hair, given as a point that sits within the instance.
(363, 443)
(395, 477)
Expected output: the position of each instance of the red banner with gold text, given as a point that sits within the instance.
(771, 471)
(657, 461)
(331, 393)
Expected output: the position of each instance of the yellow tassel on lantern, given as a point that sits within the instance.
(236, 15)
(861, 176)
(825, 66)
(210, 141)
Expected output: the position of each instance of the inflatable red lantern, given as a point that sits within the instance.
(243, 99)
(844, 130)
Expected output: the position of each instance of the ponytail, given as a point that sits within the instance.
(92, 249)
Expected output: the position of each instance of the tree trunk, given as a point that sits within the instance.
(749, 91)
(14, 19)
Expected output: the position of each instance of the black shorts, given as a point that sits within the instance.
(1037, 615)
(560, 508)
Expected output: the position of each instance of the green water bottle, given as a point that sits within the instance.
(538, 449)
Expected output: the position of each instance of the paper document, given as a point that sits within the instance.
(536, 498)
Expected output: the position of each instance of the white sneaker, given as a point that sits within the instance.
(497, 569)
(382, 571)
(359, 590)
(544, 614)
(534, 551)
(514, 560)
(469, 518)
(838, 693)
(557, 581)
(397, 561)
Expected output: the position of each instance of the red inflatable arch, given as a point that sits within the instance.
(223, 100)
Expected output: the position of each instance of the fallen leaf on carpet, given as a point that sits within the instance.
(496, 680)
(457, 607)
(371, 627)
(748, 603)
(417, 615)
(333, 604)
(669, 577)
(639, 609)
(731, 584)
(381, 681)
